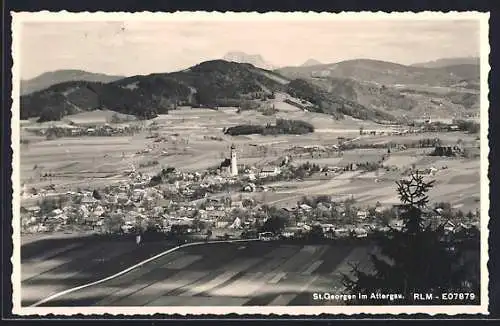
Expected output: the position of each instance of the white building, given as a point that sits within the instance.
(234, 163)
(269, 171)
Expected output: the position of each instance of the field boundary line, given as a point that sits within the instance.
(71, 290)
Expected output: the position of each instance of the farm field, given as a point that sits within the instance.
(192, 139)
(55, 263)
(218, 274)
(95, 158)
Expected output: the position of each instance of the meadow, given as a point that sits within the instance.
(193, 140)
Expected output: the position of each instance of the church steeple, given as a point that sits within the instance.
(234, 166)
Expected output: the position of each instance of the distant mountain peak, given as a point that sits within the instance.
(311, 62)
(50, 78)
(445, 62)
(254, 59)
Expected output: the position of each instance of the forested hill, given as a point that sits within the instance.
(207, 84)
(363, 89)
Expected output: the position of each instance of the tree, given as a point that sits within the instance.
(316, 232)
(115, 118)
(248, 203)
(112, 224)
(209, 234)
(415, 259)
(274, 224)
(96, 194)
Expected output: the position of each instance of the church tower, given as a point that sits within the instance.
(234, 166)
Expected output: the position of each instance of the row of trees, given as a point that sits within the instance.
(283, 126)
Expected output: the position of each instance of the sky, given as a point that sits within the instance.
(143, 47)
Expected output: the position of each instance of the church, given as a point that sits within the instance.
(230, 165)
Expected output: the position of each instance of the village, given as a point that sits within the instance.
(221, 202)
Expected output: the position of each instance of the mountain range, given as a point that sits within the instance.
(445, 62)
(364, 89)
(382, 72)
(258, 61)
(50, 78)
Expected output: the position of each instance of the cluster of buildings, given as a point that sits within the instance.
(363, 222)
(196, 201)
(182, 200)
(71, 130)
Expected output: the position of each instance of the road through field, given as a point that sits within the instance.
(240, 273)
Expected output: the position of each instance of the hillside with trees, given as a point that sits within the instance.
(363, 89)
(333, 104)
(397, 89)
(74, 97)
(208, 84)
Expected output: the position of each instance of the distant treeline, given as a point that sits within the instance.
(294, 127)
(210, 84)
(469, 126)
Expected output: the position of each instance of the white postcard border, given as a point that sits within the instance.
(63, 16)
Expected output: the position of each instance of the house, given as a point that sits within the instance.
(216, 214)
(157, 210)
(324, 206)
(251, 176)
(445, 151)
(91, 219)
(99, 211)
(56, 212)
(289, 209)
(340, 210)
(341, 232)
(236, 223)
(305, 207)
(360, 233)
(362, 214)
(449, 227)
(88, 200)
(221, 224)
(396, 224)
(138, 194)
(249, 187)
(268, 171)
(327, 227)
(237, 204)
(398, 209)
(289, 232)
(439, 211)
(202, 213)
(33, 210)
(461, 227)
